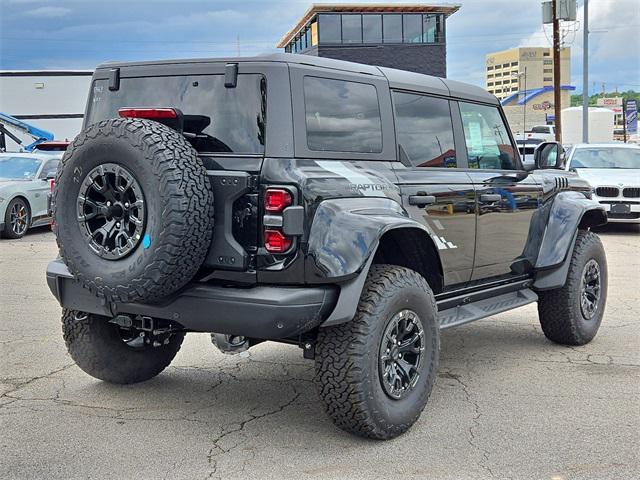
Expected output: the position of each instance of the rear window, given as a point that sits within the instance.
(541, 130)
(342, 116)
(229, 120)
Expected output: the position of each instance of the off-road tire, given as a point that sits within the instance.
(559, 311)
(97, 348)
(8, 230)
(346, 363)
(179, 209)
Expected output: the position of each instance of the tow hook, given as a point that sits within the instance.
(230, 344)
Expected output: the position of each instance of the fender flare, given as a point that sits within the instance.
(569, 212)
(343, 240)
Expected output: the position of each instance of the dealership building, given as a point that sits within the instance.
(404, 36)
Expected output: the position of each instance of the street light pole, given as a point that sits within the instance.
(585, 74)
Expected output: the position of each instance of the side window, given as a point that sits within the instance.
(50, 168)
(487, 138)
(342, 116)
(424, 129)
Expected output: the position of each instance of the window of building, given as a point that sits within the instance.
(490, 84)
(514, 89)
(352, 28)
(392, 28)
(307, 38)
(372, 28)
(490, 67)
(314, 33)
(505, 65)
(548, 79)
(342, 116)
(498, 74)
(412, 28)
(499, 82)
(548, 70)
(424, 129)
(546, 54)
(547, 61)
(514, 64)
(487, 138)
(330, 28)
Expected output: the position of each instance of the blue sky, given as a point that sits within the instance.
(78, 34)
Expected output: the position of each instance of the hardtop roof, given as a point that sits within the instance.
(400, 79)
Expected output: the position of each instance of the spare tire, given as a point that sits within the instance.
(133, 210)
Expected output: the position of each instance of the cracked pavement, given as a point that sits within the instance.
(506, 404)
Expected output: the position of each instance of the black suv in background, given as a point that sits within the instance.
(349, 209)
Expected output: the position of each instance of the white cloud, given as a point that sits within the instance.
(48, 12)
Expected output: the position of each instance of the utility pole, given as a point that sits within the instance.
(556, 70)
(585, 74)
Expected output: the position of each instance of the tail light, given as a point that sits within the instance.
(277, 199)
(276, 242)
(148, 113)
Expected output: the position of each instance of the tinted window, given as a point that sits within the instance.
(392, 28)
(488, 142)
(351, 29)
(424, 129)
(223, 119)
(329, 25)
(372, 28)
(50, 168)
(342, 116)
(412, 27)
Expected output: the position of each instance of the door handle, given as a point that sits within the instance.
(421, 200)
(490, 197)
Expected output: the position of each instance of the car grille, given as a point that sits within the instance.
(624, 216)
(607, 191)
(631, 192)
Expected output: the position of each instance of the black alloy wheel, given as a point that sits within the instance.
(111, 211)
(401, 354)
(590, 289)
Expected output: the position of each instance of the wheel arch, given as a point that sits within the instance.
(350, 235)
(569, 213)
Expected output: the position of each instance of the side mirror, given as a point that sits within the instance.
(549, 155)
(50, 176)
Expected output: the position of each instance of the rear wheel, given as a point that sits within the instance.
(110, 353)
(375, 373)
(17, 218)
(571, 315)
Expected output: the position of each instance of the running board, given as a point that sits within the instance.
(482, 308)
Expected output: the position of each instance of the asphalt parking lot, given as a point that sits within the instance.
(507, 403)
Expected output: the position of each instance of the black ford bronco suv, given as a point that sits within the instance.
(348, 209)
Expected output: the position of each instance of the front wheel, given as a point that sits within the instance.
(109, 353)
(17, 218)
(571, 315)
(375, 373)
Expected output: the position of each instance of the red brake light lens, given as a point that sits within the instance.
(276, 242)
(276, 200)
(148, 113)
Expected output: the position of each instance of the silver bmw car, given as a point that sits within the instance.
(24, 185)
(613, 170)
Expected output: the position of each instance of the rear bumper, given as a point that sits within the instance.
(267, 312)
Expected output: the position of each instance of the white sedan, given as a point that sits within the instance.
(613, 170)
(24, 185)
